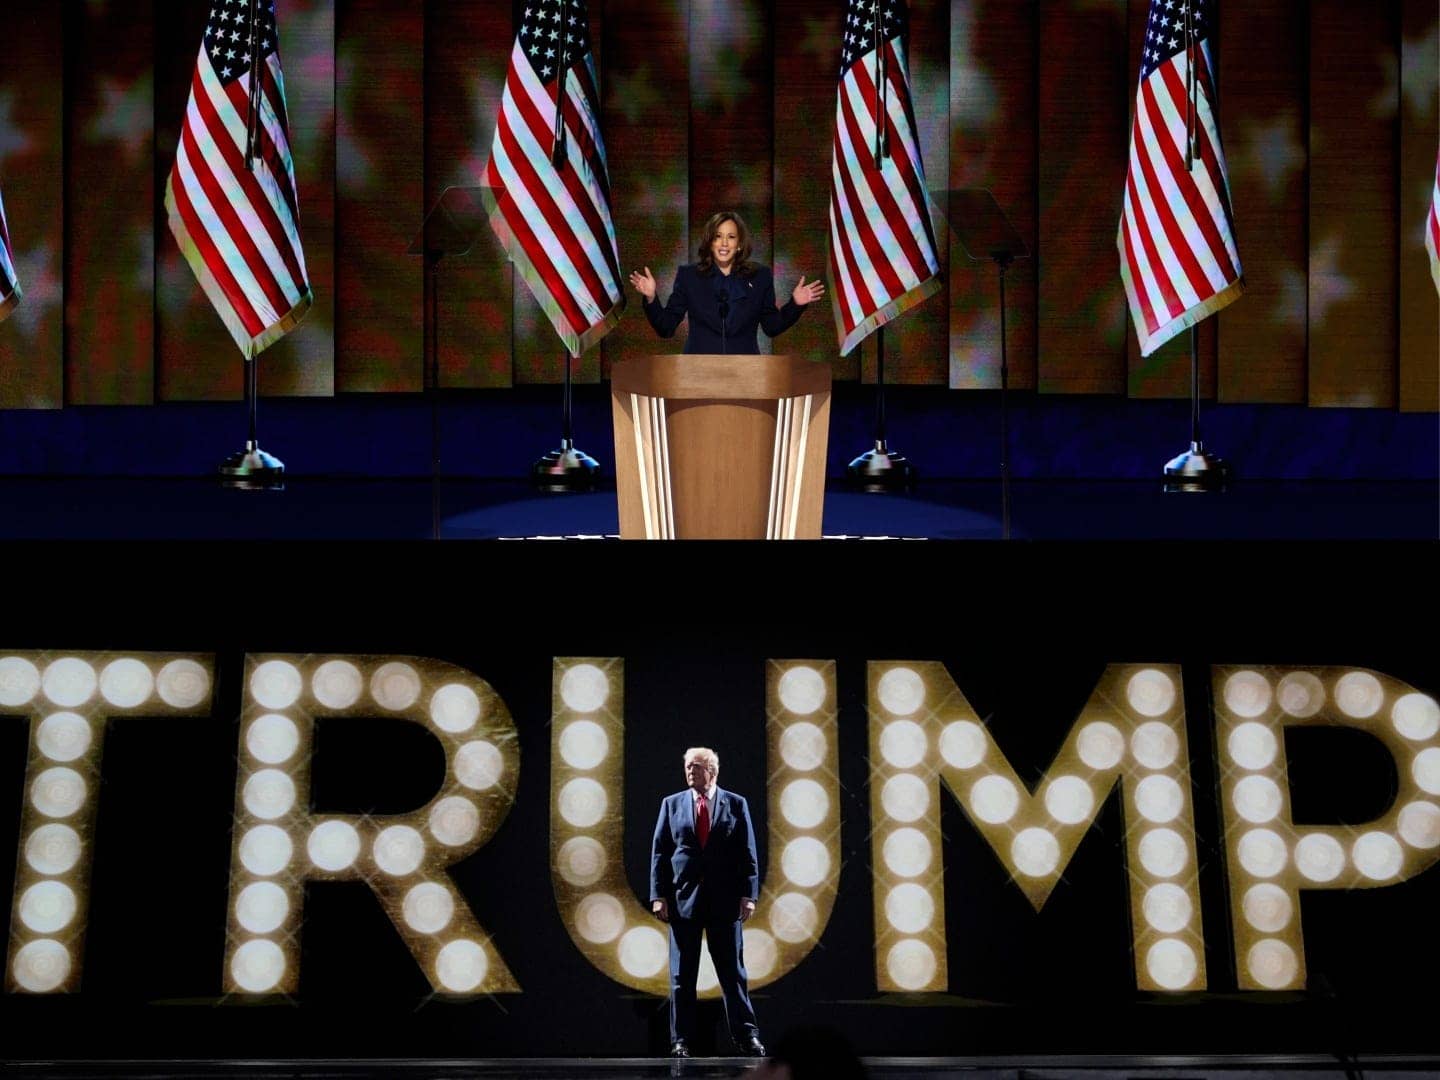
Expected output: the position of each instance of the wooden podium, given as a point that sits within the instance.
(720, 447)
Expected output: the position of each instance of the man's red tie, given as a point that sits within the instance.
(702, 819)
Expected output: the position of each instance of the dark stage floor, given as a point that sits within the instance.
(155, 509)
(1110, 1067)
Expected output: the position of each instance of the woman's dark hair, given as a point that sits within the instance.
(707, 237)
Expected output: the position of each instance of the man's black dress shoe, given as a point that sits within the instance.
(678, 1049)
(754, 1047)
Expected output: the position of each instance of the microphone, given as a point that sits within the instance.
(722, 297)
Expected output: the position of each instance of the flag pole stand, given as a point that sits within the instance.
(252, 467)
(880, 469)
(565, 469)
(1197, 469)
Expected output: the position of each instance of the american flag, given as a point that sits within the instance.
(1432, 227)
(239, 228)
(1177, 234)
(555, 222)
(882, 249)
(9, 283)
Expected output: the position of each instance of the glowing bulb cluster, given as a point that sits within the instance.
(1270, 858)
(587, 785)
(801, 711)
(69, 699)
(905, 848)
(1160, 832)
(279, 844)
(923, 732)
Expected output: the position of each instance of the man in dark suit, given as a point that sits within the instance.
(705, 877)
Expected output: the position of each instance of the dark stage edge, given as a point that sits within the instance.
(1050, 1067)
(121, 508)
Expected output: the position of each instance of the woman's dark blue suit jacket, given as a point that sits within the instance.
(724, 310)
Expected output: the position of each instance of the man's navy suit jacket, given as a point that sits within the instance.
(704, 883)
(749, 303)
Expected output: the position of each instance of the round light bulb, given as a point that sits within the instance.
(911, 964)
(963, 744)
(461, 965)
(801, 690)
(1273, 964)
(1100, 745)
(993, 799)
(907, 852)
(1359, 694)
(428, 907)
(903, 743)
(337, 684)
(454, 708)
(804, 804)
(1247, 694)
(1252, 745)
(1069, 800)
(1319, 857)
(332, 845)
(1300, 694)
(69, 682)
(802, 746)
(1150, 692)
(1172, 964)
(1155, 745)
(1262, 853)
(126, 683)
(1267, 907)
(584, 688)
(276, 684)
(1416, 716)
(395, 686)
(1035, 852)
(583, 744)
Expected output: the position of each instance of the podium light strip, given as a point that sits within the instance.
(774, 521)
(652, 463)
(798, 467)
(645, 462)
(664, 496)
(777, 460)
(640, 463)
(788, 464)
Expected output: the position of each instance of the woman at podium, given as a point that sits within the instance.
(725, 295)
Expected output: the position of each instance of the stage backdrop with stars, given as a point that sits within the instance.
(1328, 112)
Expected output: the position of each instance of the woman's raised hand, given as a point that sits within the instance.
(807, 294)
(644, 283)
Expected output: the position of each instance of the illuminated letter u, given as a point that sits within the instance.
(608, 924)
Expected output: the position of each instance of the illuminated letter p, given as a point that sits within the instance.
(1270, 858)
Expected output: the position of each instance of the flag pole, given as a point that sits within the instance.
(565, 469)
(880, 468)
(1196, 469)
(252, 467)
(882, 134)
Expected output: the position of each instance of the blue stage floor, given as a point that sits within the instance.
(157, 509)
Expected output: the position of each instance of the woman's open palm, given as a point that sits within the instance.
(807, 294)
(644, 283)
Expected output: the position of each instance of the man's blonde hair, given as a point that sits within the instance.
(705, 754)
